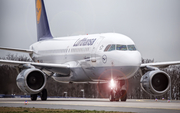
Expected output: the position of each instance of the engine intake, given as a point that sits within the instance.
(31, 81)
(35, 80)
(155, 82)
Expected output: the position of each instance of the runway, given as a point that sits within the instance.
(131, 105)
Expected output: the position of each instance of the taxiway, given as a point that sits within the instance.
(131, 105)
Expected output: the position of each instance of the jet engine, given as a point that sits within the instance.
(31, 81)
(155, 82)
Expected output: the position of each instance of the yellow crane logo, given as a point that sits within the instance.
(38, 10)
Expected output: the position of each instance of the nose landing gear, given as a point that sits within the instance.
(118, 90)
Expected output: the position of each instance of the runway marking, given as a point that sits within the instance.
(93, 105)
(140, 100)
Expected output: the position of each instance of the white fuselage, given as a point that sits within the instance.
(88, 58)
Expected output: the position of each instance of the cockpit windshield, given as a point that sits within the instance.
(120, 47)
(112, 47)
(107, 47)
(131, 47)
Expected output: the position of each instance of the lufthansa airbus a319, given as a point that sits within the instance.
(96, 58)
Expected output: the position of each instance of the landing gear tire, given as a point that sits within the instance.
(44, 94)
(33, 97)
(111, 96)
(117, 100)
(123, 95)
(117, 96)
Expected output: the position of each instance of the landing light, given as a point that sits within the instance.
(112, 84)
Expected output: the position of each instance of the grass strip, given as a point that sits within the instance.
(45, 110)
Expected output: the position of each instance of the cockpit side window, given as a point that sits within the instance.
(107, 47)
(131, 47)
(112, 47)
(121, 47)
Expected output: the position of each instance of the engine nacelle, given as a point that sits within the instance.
(155, 82)
(31, 81)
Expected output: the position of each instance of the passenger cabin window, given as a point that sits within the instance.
(112, 47)
(131, 47)
(121, 47)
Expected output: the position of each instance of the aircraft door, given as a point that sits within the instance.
(88, 65)
(94, 49)
(66, 54)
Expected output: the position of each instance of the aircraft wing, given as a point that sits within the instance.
(13, 63)
(161, 64)
(57, 68)
(17, 49)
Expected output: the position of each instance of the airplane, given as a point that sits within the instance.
(96, 58)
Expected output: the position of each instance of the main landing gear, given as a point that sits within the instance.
(43, 95)
(118, 90)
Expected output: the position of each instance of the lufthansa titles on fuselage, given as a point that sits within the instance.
(85, 42)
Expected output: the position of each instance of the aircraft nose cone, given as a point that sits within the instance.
(133, 59)
(128, 59)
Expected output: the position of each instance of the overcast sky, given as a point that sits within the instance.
(154, 25)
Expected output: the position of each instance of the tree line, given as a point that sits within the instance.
(8, 85)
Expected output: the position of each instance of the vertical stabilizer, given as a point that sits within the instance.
(43, 31)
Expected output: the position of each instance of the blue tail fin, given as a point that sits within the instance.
(43, 31)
